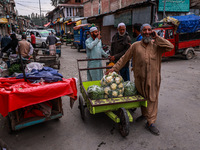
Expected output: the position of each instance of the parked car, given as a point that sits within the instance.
(41, 36)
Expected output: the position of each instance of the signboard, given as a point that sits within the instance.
(174, 5)
(123, 17)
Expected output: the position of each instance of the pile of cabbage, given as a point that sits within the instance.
(112, 86)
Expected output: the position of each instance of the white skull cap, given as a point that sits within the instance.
(121, 24)
(93, 29)
(144, 25)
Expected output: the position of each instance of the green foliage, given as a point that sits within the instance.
(14, 68)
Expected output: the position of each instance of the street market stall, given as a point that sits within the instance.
(18, 97)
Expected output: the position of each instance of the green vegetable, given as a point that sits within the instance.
(129, 89)
(95, 92)
(113, 85)
(15, 68)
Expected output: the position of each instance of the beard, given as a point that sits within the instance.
(121, 34)
(146, 39)
(93, 35)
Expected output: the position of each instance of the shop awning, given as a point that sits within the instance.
(3, 20)
(46, 25)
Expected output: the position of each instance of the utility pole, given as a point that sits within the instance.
(40, 12)
(164, 15)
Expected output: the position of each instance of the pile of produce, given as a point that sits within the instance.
(95, 92)
(129, 88)
(14, 68)
(113, 85)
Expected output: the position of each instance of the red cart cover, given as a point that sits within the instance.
(16, 93)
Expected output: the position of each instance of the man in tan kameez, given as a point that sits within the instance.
(147, 56)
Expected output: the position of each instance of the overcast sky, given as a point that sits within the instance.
(26, 7)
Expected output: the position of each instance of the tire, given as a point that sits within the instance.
(81, 107)
(59, 65)
(44, 45)
(189, 55)
(124, 122)
(78, 48)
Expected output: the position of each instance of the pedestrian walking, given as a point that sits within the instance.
(52, 40)
(121, 41)
(94, 50)
(33, 40)
(147, 55)
(25, 48)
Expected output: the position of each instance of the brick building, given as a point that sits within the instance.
(106, 14)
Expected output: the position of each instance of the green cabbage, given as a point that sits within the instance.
(95, 92)
(129, 88)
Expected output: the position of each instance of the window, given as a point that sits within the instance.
(27, 33)
(169, 34)
(37, 34)
(78, 1)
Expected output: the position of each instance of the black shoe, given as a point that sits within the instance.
(141, 118)
(152, 129)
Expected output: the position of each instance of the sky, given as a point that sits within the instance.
(26, 7)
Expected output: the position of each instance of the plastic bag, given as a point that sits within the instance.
(34, 65)
(3, 68)
(113, 85)
(95, 92)
(129, 88)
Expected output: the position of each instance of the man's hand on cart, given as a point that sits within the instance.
(110, 70)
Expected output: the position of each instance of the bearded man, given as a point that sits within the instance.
(147, 55)
(120, 44)
(94, 50)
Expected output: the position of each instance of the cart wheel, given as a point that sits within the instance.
(81, 107)
(8, 125)
(124, 122)
(189, 55)
(59, 65)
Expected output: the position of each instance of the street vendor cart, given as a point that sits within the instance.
(115, 108)
(80, 35)
(18, 99)
(46, 58)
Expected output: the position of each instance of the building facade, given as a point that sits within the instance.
(62, 17)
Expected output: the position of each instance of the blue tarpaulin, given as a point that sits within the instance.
(188, 23)
(47, 73)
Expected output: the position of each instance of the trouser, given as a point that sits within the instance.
(33, 45)
(124, 72)
(150, 112)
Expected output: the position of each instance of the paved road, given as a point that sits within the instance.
(178, 117)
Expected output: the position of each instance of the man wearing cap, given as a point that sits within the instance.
(94, 50)
(147, 55)
(120, 44)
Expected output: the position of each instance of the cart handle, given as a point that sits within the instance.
(92, 59)
(94, 68)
